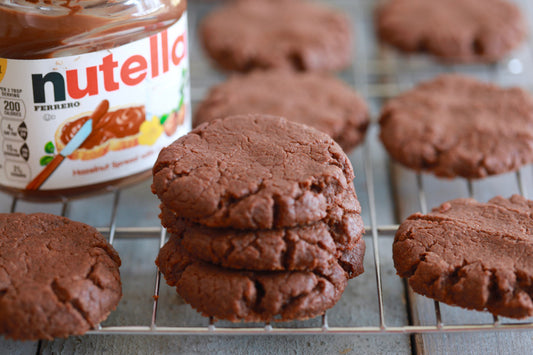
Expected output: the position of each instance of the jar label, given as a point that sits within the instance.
(85, 119)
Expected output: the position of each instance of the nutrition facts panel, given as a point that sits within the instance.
(14, 134)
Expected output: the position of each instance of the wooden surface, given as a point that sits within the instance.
(376, 80)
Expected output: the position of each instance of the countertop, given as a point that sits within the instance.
(382, 316)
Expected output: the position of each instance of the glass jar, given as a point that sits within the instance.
(90, 91)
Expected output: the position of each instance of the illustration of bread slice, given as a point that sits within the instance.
(116, 130)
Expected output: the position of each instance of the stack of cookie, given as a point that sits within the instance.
(263, 216)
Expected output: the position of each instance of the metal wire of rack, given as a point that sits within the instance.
(390, 81)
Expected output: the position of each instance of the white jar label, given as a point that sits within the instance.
(46, 104)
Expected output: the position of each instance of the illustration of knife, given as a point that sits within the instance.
(71, 146)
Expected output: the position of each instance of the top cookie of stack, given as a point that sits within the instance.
(257, 173)
(253, 199)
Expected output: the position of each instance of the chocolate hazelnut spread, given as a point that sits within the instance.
(50, 28)
(59, 61)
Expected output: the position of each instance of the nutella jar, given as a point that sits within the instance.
(90, 92)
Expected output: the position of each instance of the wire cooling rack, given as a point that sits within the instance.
(378, 74)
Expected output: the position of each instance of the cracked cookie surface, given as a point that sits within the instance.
(57, 277)
(458, 126)
(250, 296)
(303, 248)
(320, 101)
(454, 30)
(471, 254)
(255, 172)
(282, 34)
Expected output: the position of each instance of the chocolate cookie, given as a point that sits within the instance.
(320, 101)
(470, 254)
(288, 34)
(458, 126)
(255, 172)
(300, 248)
(250, 296)
(57, 277)
(454, 30)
